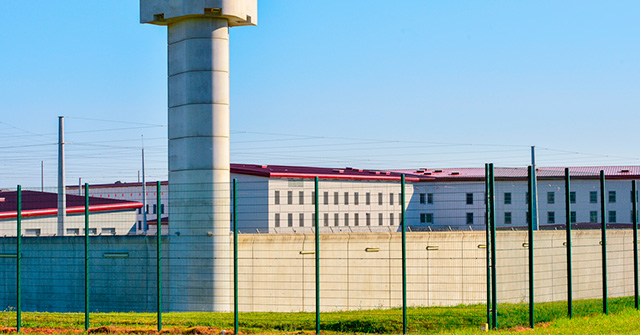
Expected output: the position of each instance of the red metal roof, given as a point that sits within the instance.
(446, 174)
(283, 171)
(611, 172)
(46, 204)
(149, 184)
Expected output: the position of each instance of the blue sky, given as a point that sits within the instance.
(330, 83)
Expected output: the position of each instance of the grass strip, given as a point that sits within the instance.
(445, 320)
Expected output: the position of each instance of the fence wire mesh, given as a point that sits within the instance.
(358, 277)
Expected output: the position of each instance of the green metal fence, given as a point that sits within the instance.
(341, 253)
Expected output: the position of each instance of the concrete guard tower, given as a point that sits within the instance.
(199, 172)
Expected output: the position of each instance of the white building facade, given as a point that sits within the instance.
(281, 199)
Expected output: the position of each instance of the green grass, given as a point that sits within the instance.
(551, 319)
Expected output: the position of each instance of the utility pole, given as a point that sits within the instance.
(62, 192)
(145, 228)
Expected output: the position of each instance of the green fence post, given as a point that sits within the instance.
(603, 216)
(404, 256)
(567, 196)
(487, 241)
(532, 219)
(492, 223)
(159, 253)
(634, 215)
(86, 256)
(236, 321)
(317, 253)
(19, 259)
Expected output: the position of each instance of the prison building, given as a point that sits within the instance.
(280, 199)
(40, 210)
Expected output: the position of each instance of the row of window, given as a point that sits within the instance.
(92, 231)
(425, 198)
(612, 217)
(551, 217)
(346, 219)
(551, 197)
(346, 197)
(155, 209)
(428, 218)
(73, 231)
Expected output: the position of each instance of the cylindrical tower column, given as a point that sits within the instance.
(199, 274)
(199, 265)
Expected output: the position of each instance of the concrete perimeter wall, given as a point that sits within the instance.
(277, 271)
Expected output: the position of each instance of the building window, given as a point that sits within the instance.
(276, 220)
(429, 198)
(313, 197)
(380, 220)
(423, 198)
(356, 219)
(155, 209)
(572, 197)
(507, 217)
(574, 217)
(390, 198)
(551, 217)
(593, 197)
(140, 210)
(139, 225)
(593, 216)
(326, 198)
(336, 219)
(612, 196)
(290, 220)
(290, 197)
(380, 199)
(301, 198)
(326, 219)
(507, 199)
(356, 200)
(92, 231)
(346, 198)
(612, 216)
(301, 220)
(368, 218)
(346, 219)
(276, 197)
(470, 199)
(147, 210)
(161, 208)
(391, 219)
(469, 217)
(367, 198)
(313, 219)
(551, 197)
(108, 231)
(74, 231)
(336, 198)
(426, 217)
(526, 198)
